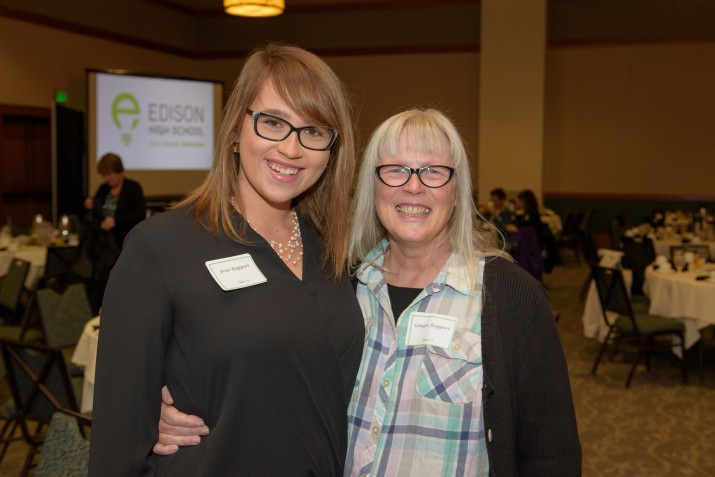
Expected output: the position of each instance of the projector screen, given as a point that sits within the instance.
(163, 128)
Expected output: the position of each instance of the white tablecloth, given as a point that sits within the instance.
(592, 319)
(680, 295)
(35, 254)
(85, 354)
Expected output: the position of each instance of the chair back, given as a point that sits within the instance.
(65, 451)
(39, 382)
(638, 253)
(13, 283)
(63, 315)
(702, 250)
(612, 293)
(59, 266)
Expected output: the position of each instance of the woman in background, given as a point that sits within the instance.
(117, 206)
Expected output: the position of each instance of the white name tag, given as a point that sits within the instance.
(235, 272)
(430, 329)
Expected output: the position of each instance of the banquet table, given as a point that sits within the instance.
(662, 246)
(680, 295)
(85, 354)
(35, 254)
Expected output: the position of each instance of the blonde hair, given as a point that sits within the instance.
(430, 132)
(312, 89)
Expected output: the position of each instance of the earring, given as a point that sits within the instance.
(235, 148)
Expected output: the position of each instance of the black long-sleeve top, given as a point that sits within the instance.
(131, 208)
(270, 367)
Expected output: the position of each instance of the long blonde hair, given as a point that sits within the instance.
(428, 131)
(312, 89)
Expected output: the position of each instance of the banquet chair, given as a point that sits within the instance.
(63, 315)
(570, 236)
(11, 288)
(635, 325)
(40, 385)
(59, 267)
(65, 451)
(638, 253)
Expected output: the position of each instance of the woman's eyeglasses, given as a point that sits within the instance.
(277, 129)
(396, 175)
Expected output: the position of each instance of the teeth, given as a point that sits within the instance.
(286, 171)
(412, 210)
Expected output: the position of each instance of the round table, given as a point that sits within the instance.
(680, 295)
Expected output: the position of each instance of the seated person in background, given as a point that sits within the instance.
(528, 216)
(527, 212)
(497, 211)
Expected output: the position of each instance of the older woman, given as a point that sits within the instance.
(462, 371)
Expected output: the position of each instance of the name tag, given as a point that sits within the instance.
(232, 273)
(430, 329)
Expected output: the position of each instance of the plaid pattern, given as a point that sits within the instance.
(417, 410)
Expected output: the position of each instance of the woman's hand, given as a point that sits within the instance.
(176, 428)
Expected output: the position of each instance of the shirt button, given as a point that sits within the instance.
(386, 383)
(489, 435)
(375, 430)
(455, 345)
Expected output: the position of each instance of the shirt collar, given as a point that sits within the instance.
(454, 273)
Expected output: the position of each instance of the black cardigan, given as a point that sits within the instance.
(130, 208)
(528, 407)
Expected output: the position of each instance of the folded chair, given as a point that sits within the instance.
(40, 386)
(638, 326)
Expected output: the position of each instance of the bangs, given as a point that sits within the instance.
(296, 86)
(420, 133)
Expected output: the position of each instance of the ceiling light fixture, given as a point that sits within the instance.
(254, 8)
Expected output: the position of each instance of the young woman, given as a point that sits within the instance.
(236, 299)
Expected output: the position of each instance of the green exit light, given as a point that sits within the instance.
(60, 96)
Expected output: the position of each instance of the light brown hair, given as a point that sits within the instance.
(312, 89)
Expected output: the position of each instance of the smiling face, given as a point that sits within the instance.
(415, 215)
(274, 173)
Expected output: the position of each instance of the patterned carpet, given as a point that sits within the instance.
(658, 427)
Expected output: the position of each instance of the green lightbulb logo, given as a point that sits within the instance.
(125, 106)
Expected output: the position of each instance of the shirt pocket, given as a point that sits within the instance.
(452, 375)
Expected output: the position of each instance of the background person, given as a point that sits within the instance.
(237, 298)
(116, 207)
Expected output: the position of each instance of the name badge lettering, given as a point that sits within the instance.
(431, 329)
(232, 273)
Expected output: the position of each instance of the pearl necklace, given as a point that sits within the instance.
(291, 252)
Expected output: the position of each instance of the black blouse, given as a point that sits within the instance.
(270, 368)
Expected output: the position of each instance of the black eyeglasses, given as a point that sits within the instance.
(275, 128)
(396, 175)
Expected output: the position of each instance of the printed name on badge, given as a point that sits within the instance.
(431, 329)
(232, 273)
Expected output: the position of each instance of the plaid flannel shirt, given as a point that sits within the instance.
(416, 410)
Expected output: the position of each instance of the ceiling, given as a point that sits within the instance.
(200, 29)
